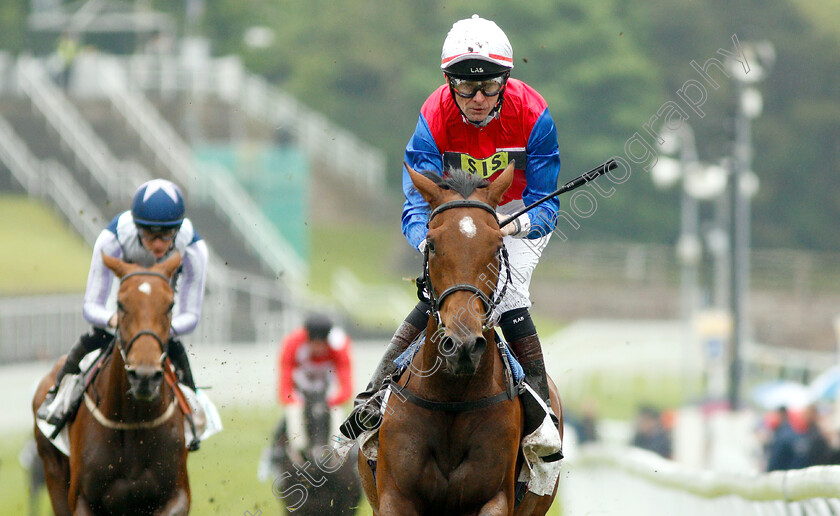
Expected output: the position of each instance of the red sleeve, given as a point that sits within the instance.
(286, 367)
(343, 370)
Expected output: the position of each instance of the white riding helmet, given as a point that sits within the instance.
(476, 39)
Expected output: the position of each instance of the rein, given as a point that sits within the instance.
(489, 304)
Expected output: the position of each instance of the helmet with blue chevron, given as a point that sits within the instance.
(158, 206)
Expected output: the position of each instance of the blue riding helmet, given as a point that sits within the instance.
(158, 205)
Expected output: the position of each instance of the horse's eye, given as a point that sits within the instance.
(171, 306)
(120, 307)
(430, 245)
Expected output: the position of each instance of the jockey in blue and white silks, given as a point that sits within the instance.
(149, 233)
(121, 239)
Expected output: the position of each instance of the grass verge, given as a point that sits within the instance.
(42, 254)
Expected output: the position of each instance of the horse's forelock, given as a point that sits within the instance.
(458, 180)
(463, 182)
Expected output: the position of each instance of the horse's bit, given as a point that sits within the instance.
(489, 304)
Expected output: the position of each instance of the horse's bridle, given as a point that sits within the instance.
(124, 350)
(489, 304)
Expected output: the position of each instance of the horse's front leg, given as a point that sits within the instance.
(82, 507)
(499, 505)
(178, 505)
(391, 503)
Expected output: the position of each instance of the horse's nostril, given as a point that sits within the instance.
(447, 346)
(480, 344)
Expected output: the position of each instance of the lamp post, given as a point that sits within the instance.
(666, 173)
(699, 182)
(759, 59)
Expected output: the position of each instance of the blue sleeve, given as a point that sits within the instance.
(422, 155)
(541, 174)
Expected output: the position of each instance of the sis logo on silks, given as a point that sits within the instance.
(484, 167)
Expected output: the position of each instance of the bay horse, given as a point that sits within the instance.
(450, 437)
(127, 450)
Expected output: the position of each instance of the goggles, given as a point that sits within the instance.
(166, 235)
(467, 88)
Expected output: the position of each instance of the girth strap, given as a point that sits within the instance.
(449, 406)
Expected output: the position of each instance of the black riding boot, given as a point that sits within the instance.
(365, 414)
(522, 338)
(97, 338)
(179, 358)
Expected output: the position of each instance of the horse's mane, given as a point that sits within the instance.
(456, 179)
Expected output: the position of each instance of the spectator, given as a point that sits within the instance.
(651, 434)
(786, 449)
(67, 50)
(817, 449)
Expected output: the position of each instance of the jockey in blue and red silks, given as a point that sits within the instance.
(480, 120)
(149, 233)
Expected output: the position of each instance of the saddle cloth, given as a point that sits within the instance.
(205, 414)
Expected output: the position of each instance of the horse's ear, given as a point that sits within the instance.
(115, 264)
(498, 187)
(169, 265)
(427, 188)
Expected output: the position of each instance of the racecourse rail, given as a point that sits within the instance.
(614, 479)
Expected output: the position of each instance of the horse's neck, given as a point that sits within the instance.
(436, 383)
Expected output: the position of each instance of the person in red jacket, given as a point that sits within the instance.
(314, 358)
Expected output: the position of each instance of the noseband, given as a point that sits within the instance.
(489, 304)
(125, 350)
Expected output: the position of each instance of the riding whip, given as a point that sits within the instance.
(571, 185)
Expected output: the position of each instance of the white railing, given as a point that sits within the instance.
(20, 162)
(37, 327)
(49, 179)
(360, 163)
(71, 127)
(166, 145)
(383, 304)
(213, 184)
(73, 202)
(259, 232)
(605, 479)
(322, 140)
